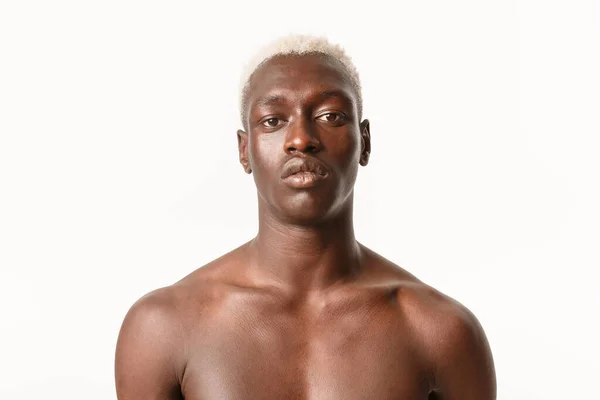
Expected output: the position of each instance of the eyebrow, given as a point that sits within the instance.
(269, 100)
(272, 99)
(337, 94)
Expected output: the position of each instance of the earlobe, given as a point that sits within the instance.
(365, 135)
(242, 138)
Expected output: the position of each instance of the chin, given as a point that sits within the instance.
(306, 210)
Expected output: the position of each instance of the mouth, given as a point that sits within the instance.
(304, 179)
(308, 172)
(301, 165)
(304, 172)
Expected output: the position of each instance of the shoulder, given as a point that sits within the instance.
(155, 310)
(154, 321)
(165, 310)
(436, 312)
(152, 346)
(451, 338)
(446, 335)
(150, 355)
(434, 315)
(157, 331)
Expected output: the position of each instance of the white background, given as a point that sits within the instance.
(119, 170)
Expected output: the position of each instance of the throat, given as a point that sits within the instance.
(299, 266)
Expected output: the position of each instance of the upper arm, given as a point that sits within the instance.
(148, 360)
(464, 366)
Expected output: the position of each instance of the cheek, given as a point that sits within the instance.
(263, 154)
(345, 148)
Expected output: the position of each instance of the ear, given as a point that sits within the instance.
(242, 138)
(365, 139)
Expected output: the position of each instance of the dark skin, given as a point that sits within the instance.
(303, 310)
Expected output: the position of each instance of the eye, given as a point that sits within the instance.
(331, 117)
(271, 122)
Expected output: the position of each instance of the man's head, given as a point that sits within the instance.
(301, 107)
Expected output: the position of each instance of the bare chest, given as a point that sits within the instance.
(361, 350)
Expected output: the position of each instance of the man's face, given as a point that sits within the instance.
(302, 115)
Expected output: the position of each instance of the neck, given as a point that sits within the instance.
(305, 258)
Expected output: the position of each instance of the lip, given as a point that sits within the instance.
(298, 164)
(304, 179)
(302, 172)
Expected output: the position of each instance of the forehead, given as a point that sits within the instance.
(299, 74)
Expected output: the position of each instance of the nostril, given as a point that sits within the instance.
(305, 147)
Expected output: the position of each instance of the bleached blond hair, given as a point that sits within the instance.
(295, 44)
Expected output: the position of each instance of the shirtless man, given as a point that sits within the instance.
(303, 310)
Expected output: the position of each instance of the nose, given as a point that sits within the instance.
(301, 137)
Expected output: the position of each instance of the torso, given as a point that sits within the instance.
(363, 340)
